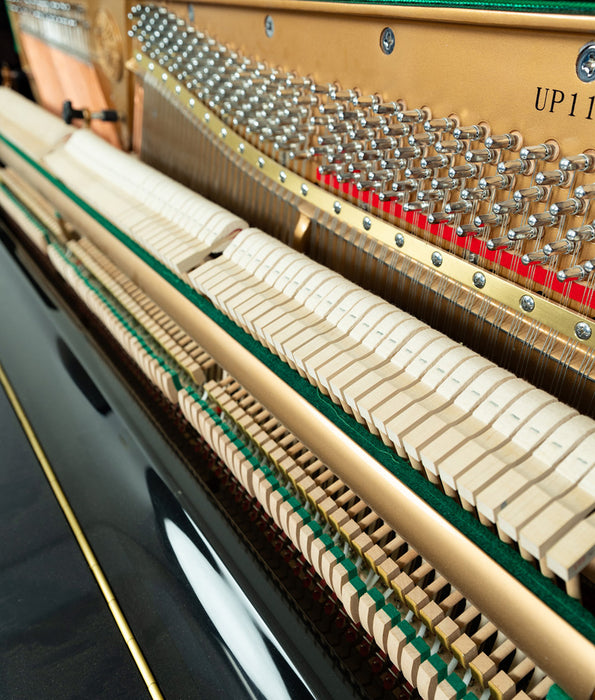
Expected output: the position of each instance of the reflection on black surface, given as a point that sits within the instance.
(82, 380)
(236, 632)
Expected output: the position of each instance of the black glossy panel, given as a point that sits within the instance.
(57, 636)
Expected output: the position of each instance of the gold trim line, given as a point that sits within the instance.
(83, 543)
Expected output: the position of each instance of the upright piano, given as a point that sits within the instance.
(342, 255)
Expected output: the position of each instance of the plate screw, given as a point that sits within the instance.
(241, 148)
(582, 330)
(283, 176)
(436, 258)
(260, 162)
(527, 303)
(269, 26)
(585, 63)
(304, 189)
(367, 223)
(479, 280)
(337, 207)
(399, 240)
(387, 41)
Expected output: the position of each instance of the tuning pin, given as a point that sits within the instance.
(329, 169)
(445, 183)
(337, 94)
(469, 230)
(583, 233)
(557, 178)
(343, 158)
(419, 173)
(404, 186)
(460, 207)
(414, 116)
(582, 162)
(383, 175)
(497, 182)
(339, 128)
(367, 101)
(386, 143)
(430, 195)
(331, 108)
(545, 151)
(585, 192)
(369, 155)
(576, 272)
(353, 115)
(475, 194)
(304, 100)
(440, 217)
(499, 243)
(329, 140)
(394, 163)
(408, 152)
(416, 206)
(390, 108)
(351, 147)
(561, 247)
(524, 233)
(508, 142)
(436, 162)
(536, 258)
(322, 89)
(323, 120)
(396, 130)
(366, 185)
(463, 171)
(569, 206)
(422, 139)
(362, 134)
(373, 122)
(475, 132)
(543, 218)
(450, 146)
(481, 155)
(387, 195)
(531, 194)
(348, 176)
(444, 124)
(509, 167)
(509, 206)
(487, 220)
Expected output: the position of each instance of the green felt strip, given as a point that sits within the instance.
(556, 693)
(568, 608)
(440, 665)
(556, 7)
(393, 613)
(422, 646)
(456, 683)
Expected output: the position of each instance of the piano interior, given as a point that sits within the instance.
(345, 254)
